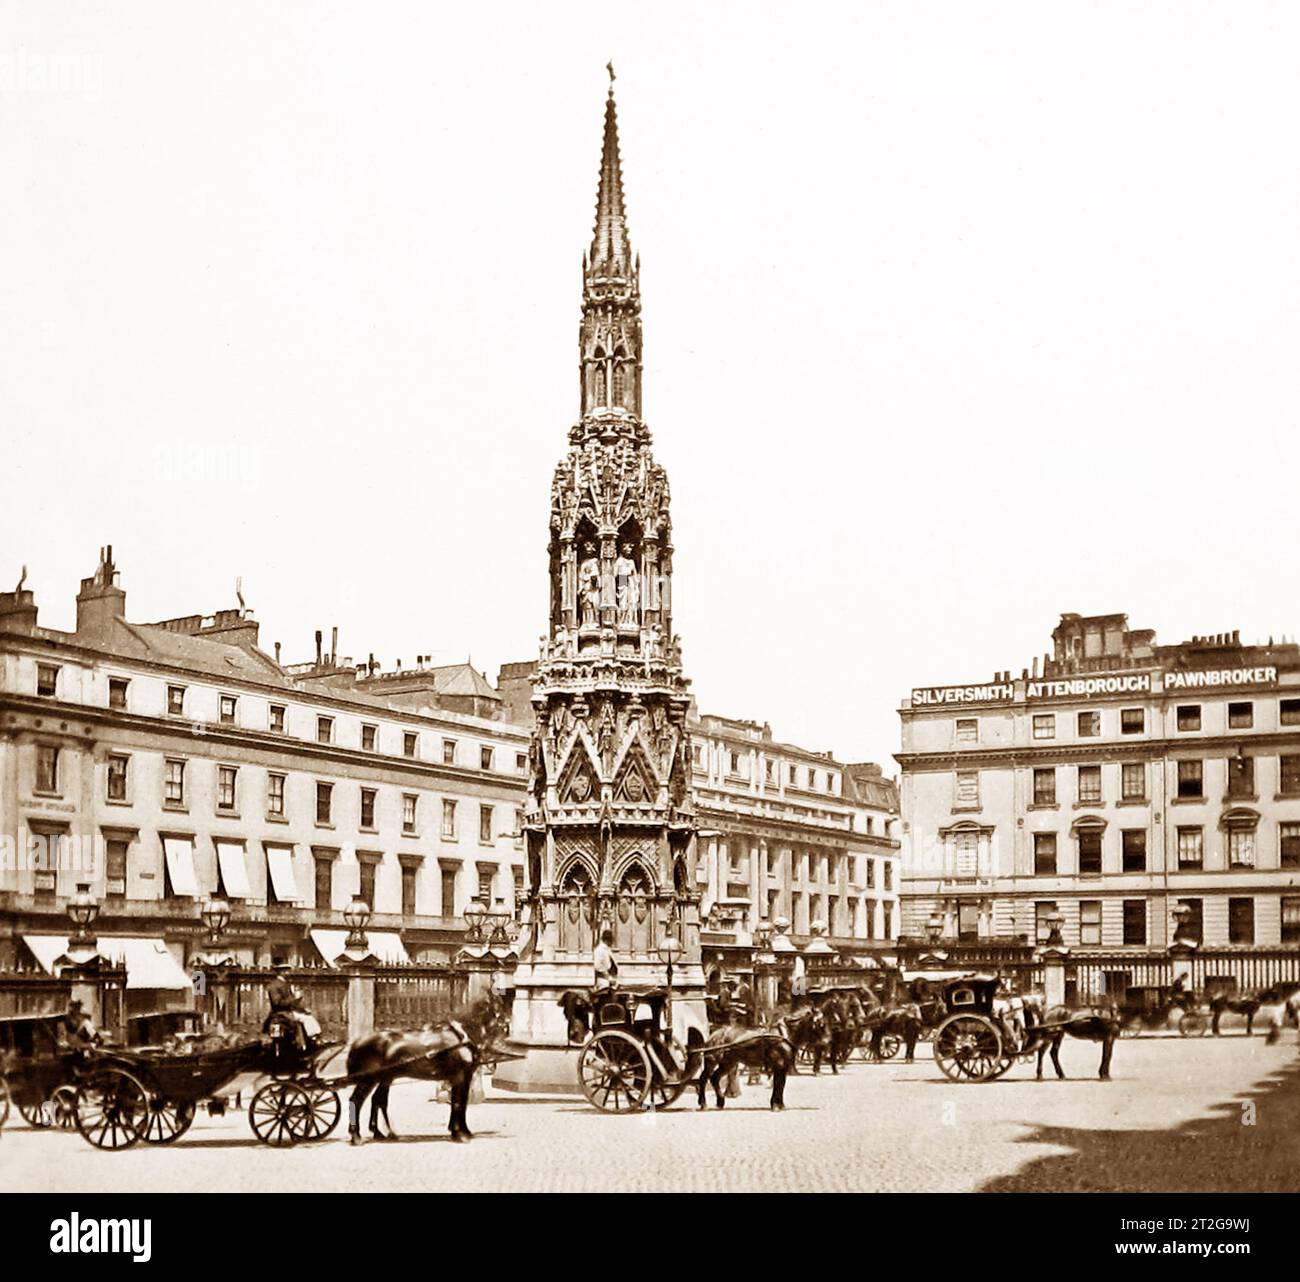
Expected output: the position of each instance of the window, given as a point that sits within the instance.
(1045, 725)
(176, 700)
(367, 866)
(1134, 842)
(968, 919)
(367, 807)
(889, 876)
(1045, 854)
(1291, 919)
(47, 678)
(968, 788)
(1090, 852)
(966, 848)
(485, 825)
(117, 767)
(448, 892)
(1289, 845)
(486, 876)
(368, 736)
(871, 874)
(449, 820)
(790, 776)
(117, 692)
(1241, 716)
(521, 763)
(174, 783)
(1133, 781)
(408, 892)
(277, 718)
(1196, 918)
(1190, 783)
(1189, 716)
(226, 776)
(275, 794)
(517, 876)
(1288, 775)
(115, 852)
(734, 763)
(485, 758)
(1089, 783)
(1089, 725)
(1090, 922)
(1045, 786)
(1241, 920)
(409, 803)
(227, 705)
(968, 730)
(449, 752)
(1241, 847)
(1191, 849)
(410, 743)
(1289, 712)
(324, 882)
(1135, 921)
(769, 771)
(324, 729)
(1042, 927)
(324, 802)
(1241, 777)
(1132, 721)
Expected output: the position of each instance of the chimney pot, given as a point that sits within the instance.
(334, 646)
(277, 652)
(319, 639)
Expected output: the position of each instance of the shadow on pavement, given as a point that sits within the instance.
(1222, 1154)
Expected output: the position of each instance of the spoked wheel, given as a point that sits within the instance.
(890, 1045)
(968, 1048)
(112, 1109)
(37, 1114)
(168, 1119)
(614, 1072)
(280, 1114)
(63, 1106)
(4, 1101)
(324, 1111)
(1192, 1024)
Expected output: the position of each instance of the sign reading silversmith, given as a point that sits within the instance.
(963, 694)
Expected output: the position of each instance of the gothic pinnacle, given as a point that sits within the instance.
(610, 249)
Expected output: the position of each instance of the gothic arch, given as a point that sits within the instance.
(634, 911)
(576, 911)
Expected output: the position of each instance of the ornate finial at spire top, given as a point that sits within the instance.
(611, 253)
(609, 66)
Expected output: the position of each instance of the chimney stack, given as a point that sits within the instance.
(18, 609)
(277, 652)
(319, 639)
(100, 603)
(334, 646)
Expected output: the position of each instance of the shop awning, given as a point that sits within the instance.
(149, 962)
(234, 871)
(279, 862)
(180, 866)
(384, 944)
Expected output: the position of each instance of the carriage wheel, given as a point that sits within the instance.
(279, 1114)
(168, 1119)
(968, 1048)
(112, 1109)
(4, 1101)
(63, 1104)
(324, 1112)
(39, 1115)
(1192, 1024)
(890, 1045)
(614, 1072)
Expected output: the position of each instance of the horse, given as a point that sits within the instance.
(448, 1052)
(806, 1029)
(1286, 1013)
(1248, 1006)
(731, 1045)
(903, 1022)
(1045, 1032)
(577, 1015)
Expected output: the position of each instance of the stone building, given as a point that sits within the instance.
(157, 765)
(1122, 783)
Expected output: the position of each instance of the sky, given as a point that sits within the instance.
(957, 316)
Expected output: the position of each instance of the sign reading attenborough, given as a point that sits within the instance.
(1076, 687)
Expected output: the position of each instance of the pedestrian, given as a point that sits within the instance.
(603, 962)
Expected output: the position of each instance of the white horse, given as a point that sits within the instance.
(1287, 1012)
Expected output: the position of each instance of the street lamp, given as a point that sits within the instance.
(356, 915)
(934, 928)
(82, 911)
(670, 949)
(474, 916)
(216, 916)
(1182, 914)
(1055, 919)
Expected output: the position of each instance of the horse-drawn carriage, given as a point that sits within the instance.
(632, 1059)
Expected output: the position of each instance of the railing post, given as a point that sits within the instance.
(361, 998)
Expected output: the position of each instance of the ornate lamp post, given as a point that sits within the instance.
(83, 908)
(1053, 957)
(934, 929)
(670, 948)
(1054, 920)
(216, 917)
(356, 915)
(474, 914)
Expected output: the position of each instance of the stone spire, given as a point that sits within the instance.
(611, 250)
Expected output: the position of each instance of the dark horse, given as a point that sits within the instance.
(448, 1052)
(1045, 1033)
(806, 1030)
(732, 1045)
(903, 1022)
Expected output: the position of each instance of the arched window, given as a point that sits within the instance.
(634, 919)
(619, 387)
(576, 912)
(599, 390)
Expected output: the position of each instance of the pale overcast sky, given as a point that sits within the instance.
(957, 316)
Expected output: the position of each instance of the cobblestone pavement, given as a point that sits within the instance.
(1200, 1114)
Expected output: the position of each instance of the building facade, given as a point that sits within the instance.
(1123, 786)
(156, 766)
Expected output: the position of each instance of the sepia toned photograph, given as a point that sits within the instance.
(606, 598)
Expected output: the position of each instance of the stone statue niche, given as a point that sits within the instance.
(629, 578)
